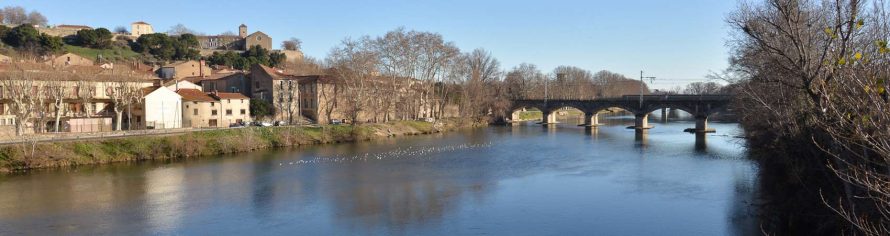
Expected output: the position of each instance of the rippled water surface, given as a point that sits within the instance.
(520, 180)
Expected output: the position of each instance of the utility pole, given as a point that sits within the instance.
(546, 82)
(641, 86)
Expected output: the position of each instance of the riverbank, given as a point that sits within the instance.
(27, 156)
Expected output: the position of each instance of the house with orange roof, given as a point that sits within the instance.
(202, 109)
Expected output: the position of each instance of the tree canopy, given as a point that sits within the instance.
(94, 38)
(165, 47)
(26, 38)
(243, 61)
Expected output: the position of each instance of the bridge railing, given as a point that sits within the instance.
(673, 97)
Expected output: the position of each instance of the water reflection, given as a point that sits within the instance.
(523, 179)
(642, 137)
(701, 141)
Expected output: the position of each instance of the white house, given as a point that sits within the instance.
(162, 109)
(182, 84)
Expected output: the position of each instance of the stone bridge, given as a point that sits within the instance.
(700, 106)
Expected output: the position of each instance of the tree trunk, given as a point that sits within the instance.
(58, 118)
(120, 116)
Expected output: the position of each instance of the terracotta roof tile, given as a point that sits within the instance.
(194, 95)
(229, 96)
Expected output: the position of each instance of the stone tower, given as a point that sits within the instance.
(242, 31)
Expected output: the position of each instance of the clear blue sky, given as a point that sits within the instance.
(676, 41)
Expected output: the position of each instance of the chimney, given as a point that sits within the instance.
(201, 68)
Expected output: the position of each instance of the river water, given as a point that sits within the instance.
(519, 180)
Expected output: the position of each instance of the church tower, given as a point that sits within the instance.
(242, 31)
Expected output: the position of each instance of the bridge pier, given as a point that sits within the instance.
(701, 125)
(548, 118)
(664, 117)
(591, 119)
(641, 122)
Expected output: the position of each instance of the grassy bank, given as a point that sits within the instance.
(113, 54)
(204, 143)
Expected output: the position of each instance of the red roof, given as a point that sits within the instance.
(148, 90)
(219, 95)
(194, 95)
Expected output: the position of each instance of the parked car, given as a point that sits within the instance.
(261, 124)
(280, 123)
(336, 122)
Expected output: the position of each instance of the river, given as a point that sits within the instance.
(516, 180)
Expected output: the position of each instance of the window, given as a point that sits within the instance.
(228, 112)
(195, 112)
(259, 37)
(212, 104)
(243, 112)
(213, 112)
(229, 101)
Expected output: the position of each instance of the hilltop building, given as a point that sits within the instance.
(139, 28)
(241, 42)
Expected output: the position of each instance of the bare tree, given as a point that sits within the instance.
(35, 18)
(14, 15)
(123, 94)
(18, 87)
(292, 44)
(814, 77)
(483, 71)
(55, 93)
(85, 92)
(355, 64)
(525, 81)
(180, 29)
(699, 88)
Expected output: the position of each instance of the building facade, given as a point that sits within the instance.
(139, 28)
(240, 42)
(236, 82)
(202, 110)
(161, 108)
(234, 107)
(184, 69)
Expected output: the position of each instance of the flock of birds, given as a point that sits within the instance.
(398, 153)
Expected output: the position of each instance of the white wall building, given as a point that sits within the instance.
(162, 109)
(182, 84)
